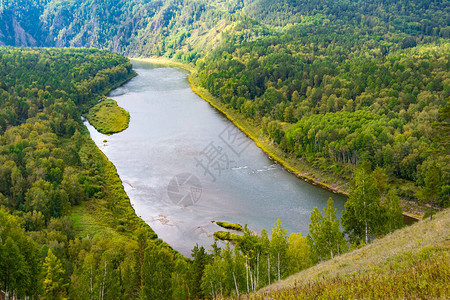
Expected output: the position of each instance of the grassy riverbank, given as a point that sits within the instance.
(108, 117)
(110, 214)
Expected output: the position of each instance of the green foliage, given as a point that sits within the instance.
(298, 253)
(49, 170)
(54, 283)
(19, 259)
(232, 226)
(362, 217)
(255, 262)
(226, 236)
(368, 212)
(412, 261)
(394, 212)
(325, 238)
(429, 193)
(334, 83)
(156, 274)
(201, 260)
(345, 105)
(278, 250)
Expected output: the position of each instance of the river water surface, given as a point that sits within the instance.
(184, 165)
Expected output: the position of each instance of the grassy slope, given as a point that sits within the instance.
(412, 262)
(108, 117)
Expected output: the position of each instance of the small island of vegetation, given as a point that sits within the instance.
(232, 226)
(108, 117)
(227, 236)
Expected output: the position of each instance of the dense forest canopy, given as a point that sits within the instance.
(66, 225)
(164, 27)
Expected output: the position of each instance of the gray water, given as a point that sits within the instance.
(172, 131)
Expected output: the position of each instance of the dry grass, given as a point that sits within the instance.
(412, 262)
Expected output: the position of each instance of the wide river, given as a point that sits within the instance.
(184, 165)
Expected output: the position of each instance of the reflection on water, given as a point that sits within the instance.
(175, 137)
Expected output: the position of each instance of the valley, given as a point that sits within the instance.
(313, 124)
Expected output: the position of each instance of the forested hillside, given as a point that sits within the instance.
(333, 106)
(66, 225)
(163, 27)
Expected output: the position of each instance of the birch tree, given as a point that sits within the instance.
(362, 216)
(324, 238)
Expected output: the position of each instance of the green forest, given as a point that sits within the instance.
(357, 91)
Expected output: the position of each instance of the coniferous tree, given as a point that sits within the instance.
(156, 274)
(201, 259)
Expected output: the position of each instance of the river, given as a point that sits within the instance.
(184, 165)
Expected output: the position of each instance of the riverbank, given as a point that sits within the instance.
(111, 214)
(300, 167)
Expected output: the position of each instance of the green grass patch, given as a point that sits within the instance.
(227, 236)
(232, 226)
(107, 117)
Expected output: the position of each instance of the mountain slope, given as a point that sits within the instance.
(410, 262)
(158, 27)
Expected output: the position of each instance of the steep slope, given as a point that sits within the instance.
(412, 262)
(161, 27)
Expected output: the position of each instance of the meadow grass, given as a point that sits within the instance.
(107, 117)
(412, 262)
